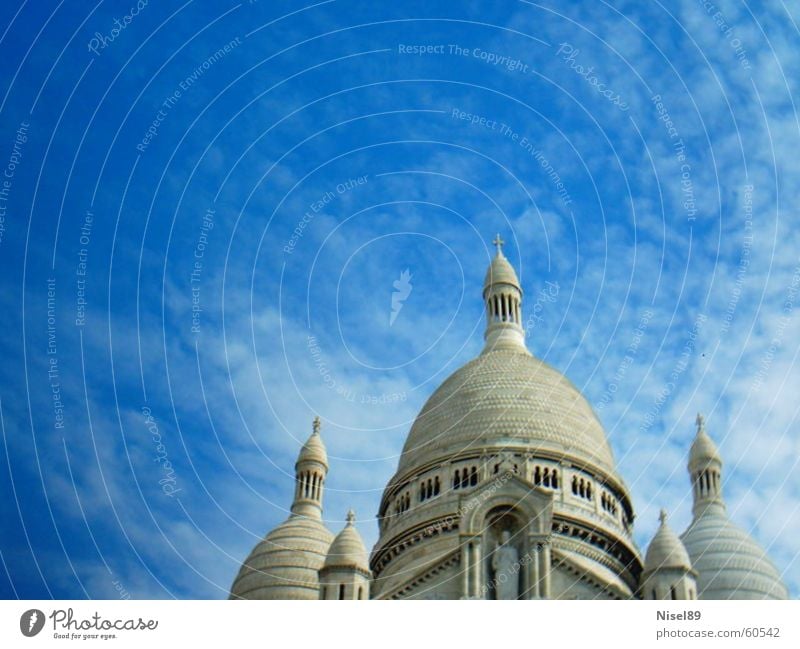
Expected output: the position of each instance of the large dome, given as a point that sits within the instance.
(285, 564)
(730, 563)
(507, 398)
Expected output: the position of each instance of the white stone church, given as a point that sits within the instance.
(507, 489)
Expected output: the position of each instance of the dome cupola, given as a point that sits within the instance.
(668, 570)
(346, 574)
(502, 295)
(729, 562)
(285, 564)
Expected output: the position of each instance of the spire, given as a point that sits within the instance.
(502, 295)
(311, 469)
(705, 470)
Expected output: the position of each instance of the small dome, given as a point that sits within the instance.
(666, 549)
(500, 271)
(347, 549)
(314, 449)
(285, 564)
(703, 450)
(731, 565)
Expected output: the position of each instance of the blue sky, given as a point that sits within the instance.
(276, 167)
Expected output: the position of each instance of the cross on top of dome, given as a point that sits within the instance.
(498, 242)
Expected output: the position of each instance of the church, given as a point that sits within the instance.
(507, 489)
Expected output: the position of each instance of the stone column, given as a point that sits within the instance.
(545, 554)
(465, 568)
(533, 571)
(477, 570)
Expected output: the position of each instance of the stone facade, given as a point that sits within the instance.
(507, 489)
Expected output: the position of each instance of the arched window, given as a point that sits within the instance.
(324, 591)
(575, 485)
(555, 479)
(537, 476)
(465, 479)
(589, 490)
(473, 477)
(672, 593)
(456, 480)
(341, 591)
(360, 592)
(546, 478)
(436, 486)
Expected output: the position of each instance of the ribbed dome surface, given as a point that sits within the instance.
(348, 551)
(703, 449)
(506, 398)
(666, 551)
(500, 271)
(285, 564)
(730, 563)
(313, 451)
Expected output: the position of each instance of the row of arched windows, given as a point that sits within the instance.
(402, 504)
(542, 477)
(581, 487)
(545, 477)
(707, 482)
(608, 503)
(309, 485)
(466, 477)
(503, 308)
(429, 488)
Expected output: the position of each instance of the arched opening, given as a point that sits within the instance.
(341, 591)
(505, 549)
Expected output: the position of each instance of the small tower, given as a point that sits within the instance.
(705, 469)
(285, 564)
(346, 573)
(730, 564)
(502, 295)
(310, 471)
(668, 570)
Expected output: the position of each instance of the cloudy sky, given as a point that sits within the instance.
(206, 206)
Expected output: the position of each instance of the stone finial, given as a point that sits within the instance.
(662, 516)
(351, 517)
(316, 425)
(701, 422)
